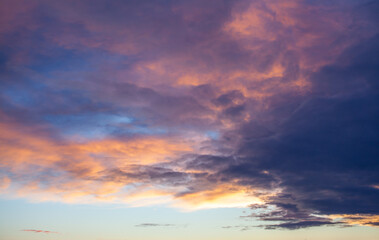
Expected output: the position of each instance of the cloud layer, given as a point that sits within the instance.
(194, 104)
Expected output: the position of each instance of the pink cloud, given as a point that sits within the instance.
(37, 231)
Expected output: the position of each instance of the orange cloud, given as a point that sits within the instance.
(357, 219)
(78, 167)
(81, 172)
(4, 183)
(222, 195)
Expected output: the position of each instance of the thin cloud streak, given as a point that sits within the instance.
(159, 225)
(38, 231)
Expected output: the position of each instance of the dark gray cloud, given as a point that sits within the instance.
(325, 154)
(153, 174)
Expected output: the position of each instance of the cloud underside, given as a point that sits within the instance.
(260, 104)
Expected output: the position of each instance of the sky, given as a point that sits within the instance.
(182, 119)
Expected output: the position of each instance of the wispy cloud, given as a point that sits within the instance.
(37, 231)
(239, 227)
(159, 225)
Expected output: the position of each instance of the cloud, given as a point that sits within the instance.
(156, 225)
(298, 225)
(323, 156)
(240, 227)
(196, 105)
(37, 231)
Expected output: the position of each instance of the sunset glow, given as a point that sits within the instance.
(205, 119)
